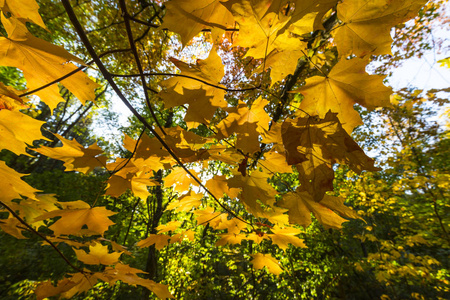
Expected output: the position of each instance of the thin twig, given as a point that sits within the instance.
(187, 76)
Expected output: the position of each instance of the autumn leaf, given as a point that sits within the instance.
(180, 179)
(129, 177)
(366, 26)
(314, 145)
(72, 220)
(186, 202)
(207, 216)
(337, 205)
(304, 15)
(282, 237)
(159, 240)
(47, 289)
(30, 208)
(233, 225)
(25, 10)
(284, 58)
(218, 185)
(181, 236)
(229, 238)
(346, 84)
(129, 275)
(75, 156)
(200, 108)
(41, 63)
(18, 130)
(10, 226)
(148, 149)
(258, 28)
(171, 226)
(260, 261)
(196, 87)
(12, 186)
(98, 255)
(301, 205)
(254, 187)
(247, 123)
(196, 16)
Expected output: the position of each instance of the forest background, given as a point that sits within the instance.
(242, 196)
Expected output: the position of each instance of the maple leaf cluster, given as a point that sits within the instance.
(256, 142)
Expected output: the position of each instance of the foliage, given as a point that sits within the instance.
(230, 179)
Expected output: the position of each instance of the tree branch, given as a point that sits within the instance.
(79, 29)
(127, 17)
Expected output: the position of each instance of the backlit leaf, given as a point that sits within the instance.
(18, 130)
(75, 156)
(41, 63)
(98, 255)
(260, 261)
(72, 220)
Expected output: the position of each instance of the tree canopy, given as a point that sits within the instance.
(242, 143)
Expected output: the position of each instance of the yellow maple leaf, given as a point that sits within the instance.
(29, 209)
(254, 187)
(258, 27)
(180, 179)
(218, 185)
(42, 63)
(186, 202)
(24, 10)
(72, 220)
(179, 237)
(11, 227)
(233, 225)
(285, 236)
(346, 84)
(82, 282)
(247, 123)
(304, 15)
(337, 205)
(98, 255)
(196, 15)
(260, 261)
(283, 59)
(75, 156)
(130, 177)
(12, 186)
(203, 99)
(301, 205)
(159, 240)
(366, 25)
(257, 238)
(208, 216)
(129, 275)
(274, 162)
(171, 226)
(230, 238)
(18, 130)
(47, 289)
